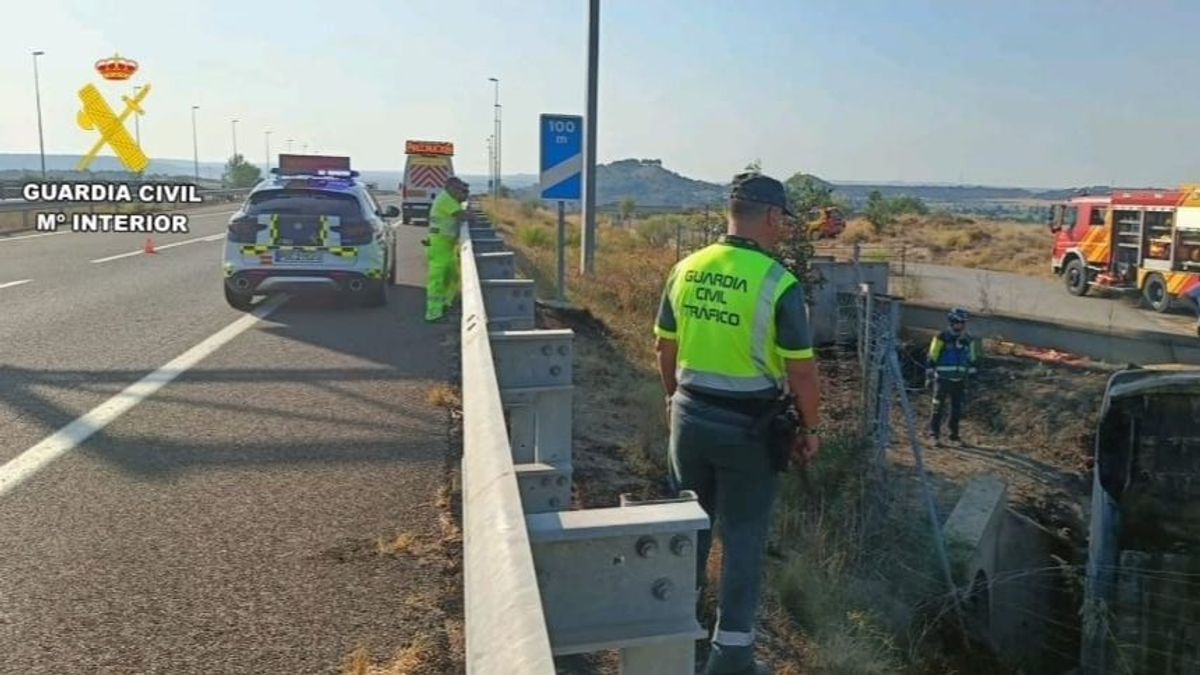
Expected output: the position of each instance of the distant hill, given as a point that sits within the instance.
(648, 183)
(653, 187)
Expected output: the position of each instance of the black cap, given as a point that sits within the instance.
(755, 187)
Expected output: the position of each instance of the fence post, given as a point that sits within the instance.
(867, 354)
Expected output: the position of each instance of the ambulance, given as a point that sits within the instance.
(429, 164)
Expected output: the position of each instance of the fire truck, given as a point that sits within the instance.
(1136, 241)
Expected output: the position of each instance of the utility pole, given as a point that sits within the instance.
(37, 94)
(195, 147)
(496, 136)
(289, 145)
(587, 250)
(491, 165)
(233, 125)
(267, 134)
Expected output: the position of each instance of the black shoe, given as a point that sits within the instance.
(954, 438)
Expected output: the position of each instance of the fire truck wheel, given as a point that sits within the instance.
(1075, 277)
(1155, 293)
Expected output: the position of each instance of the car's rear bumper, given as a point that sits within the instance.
(264, 282)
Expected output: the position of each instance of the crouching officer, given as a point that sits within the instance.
(446, 214)
(733, 337)
(953, 357)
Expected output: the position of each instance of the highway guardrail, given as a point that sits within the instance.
(541, 579)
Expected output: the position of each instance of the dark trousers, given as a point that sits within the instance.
(712, 452)
(955, 391)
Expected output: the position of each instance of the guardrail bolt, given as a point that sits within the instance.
(545, 481)
(561, 481)
(555, 371)
(681, 545)
(546, 350)
(554, 502)
(662, 588)
(647, 547)
(562, 351)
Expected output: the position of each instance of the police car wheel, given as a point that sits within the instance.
(238, 301)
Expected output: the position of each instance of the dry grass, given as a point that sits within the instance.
(443, 396)
(417, 658)
(403, 544)
(1001, 246)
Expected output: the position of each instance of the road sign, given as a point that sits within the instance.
(562, 156)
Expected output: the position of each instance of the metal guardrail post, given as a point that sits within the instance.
(621, 577)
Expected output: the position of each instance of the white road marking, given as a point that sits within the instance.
(211, 237)
(15, 283)
(26, 464)
(33, 236)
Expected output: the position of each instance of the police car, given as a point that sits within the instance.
(310, 227)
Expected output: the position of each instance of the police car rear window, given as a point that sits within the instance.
(306, 202)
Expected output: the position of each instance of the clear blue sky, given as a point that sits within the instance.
(1024, 92)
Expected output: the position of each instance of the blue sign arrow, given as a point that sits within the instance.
(562, 157)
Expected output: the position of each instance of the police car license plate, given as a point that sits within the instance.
(298, 256)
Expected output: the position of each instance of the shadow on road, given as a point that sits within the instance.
(334, 370)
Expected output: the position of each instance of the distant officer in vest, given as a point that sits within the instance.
(445, 216)
(953, 357)
(1193, 296)
(733, 335)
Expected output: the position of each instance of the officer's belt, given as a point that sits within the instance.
(753, 407)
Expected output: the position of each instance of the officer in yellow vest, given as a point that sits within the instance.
(445, 216)
(733, 335)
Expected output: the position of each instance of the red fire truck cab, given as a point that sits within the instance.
(1143, 241)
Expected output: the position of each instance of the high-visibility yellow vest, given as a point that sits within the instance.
(723, 298)
(441, 215)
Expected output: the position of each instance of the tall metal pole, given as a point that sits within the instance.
(562, 251)
(499, 177)
(587, 251)
(195, 147)
(233, 126)
(290, 145)
(37, 95)
(267, 134)
(491, 165)
(495, 136)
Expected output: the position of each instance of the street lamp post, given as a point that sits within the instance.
(37, 94)
(267, 134)
(233, 125)
(496, 165)
(195, 147)
(587, 250)
(491, 163)
(289, 145)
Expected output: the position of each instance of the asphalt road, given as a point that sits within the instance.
(220, 515)
(1017, 295)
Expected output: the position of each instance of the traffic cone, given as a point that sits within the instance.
(149, 246)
